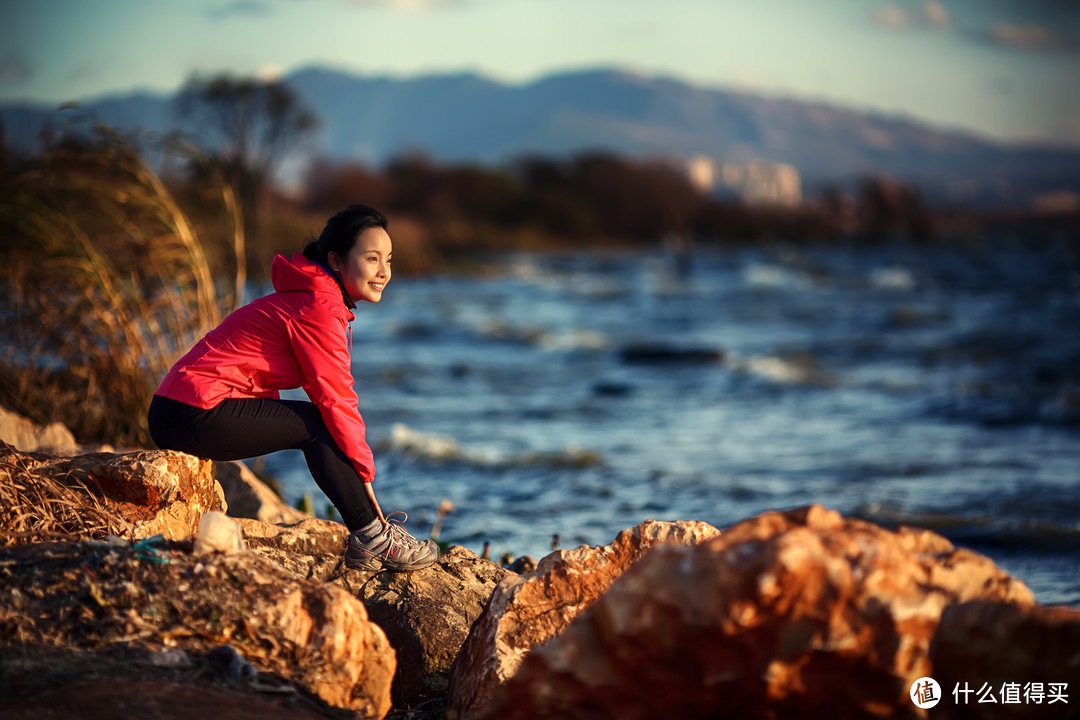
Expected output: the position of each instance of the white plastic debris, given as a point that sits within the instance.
(218, 533)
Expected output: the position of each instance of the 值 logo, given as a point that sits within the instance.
(925, 692)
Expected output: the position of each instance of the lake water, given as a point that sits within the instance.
(580, 394)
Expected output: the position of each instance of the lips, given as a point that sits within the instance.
(377, 287)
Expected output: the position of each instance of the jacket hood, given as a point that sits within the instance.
(299, 273)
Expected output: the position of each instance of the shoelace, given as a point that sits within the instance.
(397, 533)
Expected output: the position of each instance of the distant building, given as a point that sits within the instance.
(702, 173)
(754, 183)
(764, 183)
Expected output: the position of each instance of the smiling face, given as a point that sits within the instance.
(365, 271)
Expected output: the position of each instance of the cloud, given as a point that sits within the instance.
(895, 17)
(936, 14)
(1025, 37)
(15, 70)
(1049, 25)
(236, 8)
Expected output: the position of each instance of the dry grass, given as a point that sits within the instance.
(105, 284)
(35, 507)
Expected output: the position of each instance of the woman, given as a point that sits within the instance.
(221, 401)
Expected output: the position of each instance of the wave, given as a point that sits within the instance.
(892, 278)
(575, 282)
(798, 370)
(435, 448)
(761, 275)
(553, 340)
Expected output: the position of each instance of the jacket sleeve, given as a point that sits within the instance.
(317, 336)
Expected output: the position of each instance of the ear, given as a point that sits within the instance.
(334, 261)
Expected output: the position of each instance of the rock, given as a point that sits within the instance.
(156, 492)
(340, 656)
(310, 536)
(522, 565)
(661, 354)
(107, 613)
(24, 435)
(249, 497)
(427, 615)
(794, 614)
(310, 549)
(525, 611)
(1009, 648)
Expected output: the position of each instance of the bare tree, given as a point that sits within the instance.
(246, 127)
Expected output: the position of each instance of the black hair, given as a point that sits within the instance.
(341, 232)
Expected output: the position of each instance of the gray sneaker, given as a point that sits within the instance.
(393, 549)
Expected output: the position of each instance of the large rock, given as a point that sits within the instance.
(427, 616)
(249, 497)
(794, 614)
(525, 611)
(156, 492)
(117, 613)
(1014, 654)
(24, 435)
(335, 651)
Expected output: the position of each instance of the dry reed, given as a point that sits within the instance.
(36, 506)
(106, 282)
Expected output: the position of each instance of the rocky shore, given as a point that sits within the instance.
(155, 584)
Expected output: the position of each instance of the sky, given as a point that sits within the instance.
(1004, 69)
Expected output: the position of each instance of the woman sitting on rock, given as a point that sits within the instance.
(221, 401)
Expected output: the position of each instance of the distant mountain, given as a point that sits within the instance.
(467, 118)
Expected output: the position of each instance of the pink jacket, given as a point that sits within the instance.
(295, 337)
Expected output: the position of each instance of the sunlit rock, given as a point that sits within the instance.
(795, 614)
(525, 611)
(338, 653)
(155, 492)
(310, 549)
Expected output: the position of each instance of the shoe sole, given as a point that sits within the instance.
(365, 565)
(375, 565)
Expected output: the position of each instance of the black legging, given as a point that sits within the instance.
(244, 428)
